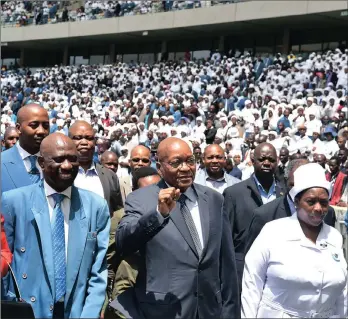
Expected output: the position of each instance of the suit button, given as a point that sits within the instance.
(196, 294)
(24, 276)
(23, 249)
(51, 307)
(32, 299)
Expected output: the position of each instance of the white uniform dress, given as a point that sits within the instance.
(288, 276)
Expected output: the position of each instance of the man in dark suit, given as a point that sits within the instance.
(280, 207)
(93, 176)
(19, 166)
(283, 162)
(187, 267)
(241, 199)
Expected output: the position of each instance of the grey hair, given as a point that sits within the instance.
(294, 164)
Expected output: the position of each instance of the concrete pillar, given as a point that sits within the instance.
(112, 52)
(21, 58)
(164, 46)
(66, 55)
(221, 47)
(286, 41)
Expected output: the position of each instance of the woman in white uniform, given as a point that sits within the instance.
(295, 267)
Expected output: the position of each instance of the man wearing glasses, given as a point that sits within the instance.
(139, 157)
(184, 240)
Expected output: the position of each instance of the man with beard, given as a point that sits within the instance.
(241, 199)
(187, 267)
(19, 166)
(59, 235)
(214, 175)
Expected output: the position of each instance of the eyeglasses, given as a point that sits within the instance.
(178, 163)
(137, 160)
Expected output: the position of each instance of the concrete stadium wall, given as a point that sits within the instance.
(244, 11)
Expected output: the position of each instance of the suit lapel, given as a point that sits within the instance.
(104, 181)
(179, 221)
(78, 227)
(16, 169)
(42, 218)
(254, 191)
(204, 213)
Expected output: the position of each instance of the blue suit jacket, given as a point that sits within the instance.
(13, 171)
(28, 230)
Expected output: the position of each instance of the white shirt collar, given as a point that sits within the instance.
(92, 169)
(50, 191)
(23, 153)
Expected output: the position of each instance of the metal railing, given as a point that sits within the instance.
(30, 18)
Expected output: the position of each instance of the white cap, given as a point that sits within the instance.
(309, 176)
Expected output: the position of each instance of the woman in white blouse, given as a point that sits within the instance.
(296, 268)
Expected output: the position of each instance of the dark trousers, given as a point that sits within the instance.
(58, 310)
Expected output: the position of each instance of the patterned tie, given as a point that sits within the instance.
(190, 224)
(34, 173)
(58, 239)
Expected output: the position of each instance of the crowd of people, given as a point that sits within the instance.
(183, 189)
(22, 13)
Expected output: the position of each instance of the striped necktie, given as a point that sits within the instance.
(34, 173)
(58, 241)
(190, 224)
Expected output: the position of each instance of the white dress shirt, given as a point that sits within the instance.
(288, 276)
(25, 157)
(89, 180)
(65, 206)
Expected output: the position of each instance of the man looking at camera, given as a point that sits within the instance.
(187, 267)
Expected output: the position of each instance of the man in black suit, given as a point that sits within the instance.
(241, 199)
(187, 266)
(93, 176)
(283, 162)
(279, 208)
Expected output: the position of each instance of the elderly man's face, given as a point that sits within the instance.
(83, 138)
(177, 165)
(10, 138)
(60, 165)
(140, 157)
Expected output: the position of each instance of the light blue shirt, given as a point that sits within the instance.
(89, 180)
(266, 197)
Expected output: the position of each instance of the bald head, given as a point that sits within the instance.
(78, 125)
(53, 141)
(140, 156)
(215, 148)
(11, 136)
(265, 161)
(26, 112)
(59, 161)
(171, 144)
(176, 163)
(109, 160)
(33, 126)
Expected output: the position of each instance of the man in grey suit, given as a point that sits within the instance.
(214, 175)
(187, 267)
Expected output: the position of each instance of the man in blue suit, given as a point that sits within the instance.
(19, 166)
(58, 235)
